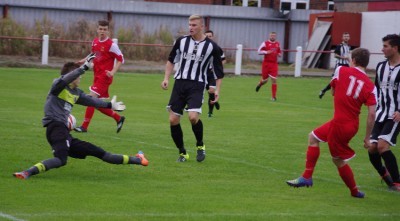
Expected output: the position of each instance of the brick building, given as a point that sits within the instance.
(281, 5)
(367, 5)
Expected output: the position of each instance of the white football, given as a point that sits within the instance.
(71, 122)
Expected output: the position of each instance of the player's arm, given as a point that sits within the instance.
(370, 125)
(173, 58)
(218, 83)
(117, 54)
(66, 79)
(218, 69)
(262, 50)
(334, 79)
(115, 69)
(169, 67)
(337, 52)
(279, 51)
(87, 100)
(396, 114)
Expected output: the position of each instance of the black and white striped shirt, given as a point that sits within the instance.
(387, 83)
(342, 50)
(195, 57)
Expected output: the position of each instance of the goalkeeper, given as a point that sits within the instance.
(64, 93)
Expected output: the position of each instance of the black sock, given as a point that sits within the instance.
(177, 137)
(375, 159)
(327, 88)
(198, 132)
(391, 165)
(211, 97)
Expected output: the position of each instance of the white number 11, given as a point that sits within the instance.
(353, 81)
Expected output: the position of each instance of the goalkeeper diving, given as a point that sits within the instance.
(64, 93)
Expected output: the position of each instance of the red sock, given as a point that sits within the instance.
(88, 117)
(110, 113)
(311, 160)
(274, 88)
(348, 178)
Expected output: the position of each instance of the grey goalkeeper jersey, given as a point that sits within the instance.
(61, 99)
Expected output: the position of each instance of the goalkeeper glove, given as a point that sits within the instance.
(88, 59)
(117, 105)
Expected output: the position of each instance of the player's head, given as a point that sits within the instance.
(391, 45)
(68, 67)
(196, 25)
(102, 29)
(346, 37)
(360, 57)
(272, 36)
(209, 34)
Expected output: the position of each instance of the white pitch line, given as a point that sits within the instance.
(7, 216)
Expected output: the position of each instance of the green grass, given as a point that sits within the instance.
(253, 146)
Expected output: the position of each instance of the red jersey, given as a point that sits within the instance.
(269, 45)
(106, 52)
(352, 88)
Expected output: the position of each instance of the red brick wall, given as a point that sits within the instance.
(319, 4)
(203, 2)
(314, 4)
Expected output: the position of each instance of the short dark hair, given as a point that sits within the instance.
(394, 40)
(68, 67)
(103, 23)
(209, 31)
(360, 57)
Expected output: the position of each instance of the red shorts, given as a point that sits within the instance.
(338, 137)
(101, 89)
(269, 70)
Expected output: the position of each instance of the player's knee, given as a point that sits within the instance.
(312, 141)
(63, 161)
(193, 120)
(338, 162)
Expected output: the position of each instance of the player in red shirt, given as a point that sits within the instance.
(271, 49)
(107, 53)
(351, 88)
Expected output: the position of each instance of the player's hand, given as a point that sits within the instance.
(367, 143)
(88, 59)
(117, 105)
(164, 84)
(396, 116)
(216, 99)
(110, 73)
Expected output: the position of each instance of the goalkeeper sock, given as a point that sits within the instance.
(120, 159)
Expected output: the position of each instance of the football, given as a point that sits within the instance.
(71, 122)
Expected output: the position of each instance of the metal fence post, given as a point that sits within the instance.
(45, 49)
(297, 68)
(238, 61)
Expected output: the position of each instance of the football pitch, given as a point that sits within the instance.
(253, 146)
